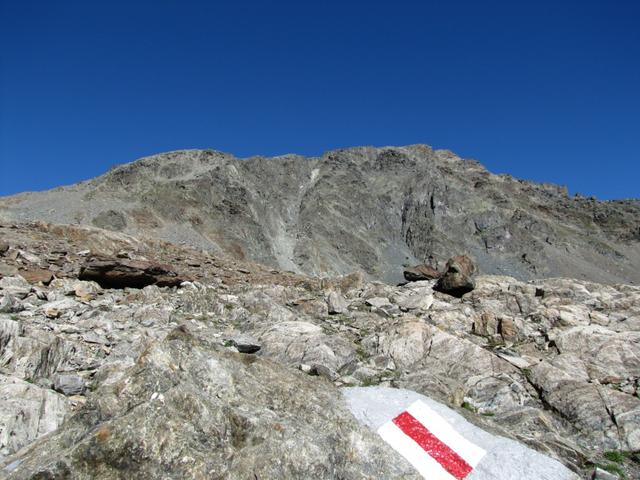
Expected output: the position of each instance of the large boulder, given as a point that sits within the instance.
(187, 409)
(37, 275)
(121, 273)
(456, 280)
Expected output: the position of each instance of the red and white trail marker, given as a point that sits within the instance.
(431, 444)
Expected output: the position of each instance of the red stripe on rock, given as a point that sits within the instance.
(445, 456)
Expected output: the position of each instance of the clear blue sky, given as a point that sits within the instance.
(544, 90)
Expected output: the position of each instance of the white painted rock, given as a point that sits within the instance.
(441, 444)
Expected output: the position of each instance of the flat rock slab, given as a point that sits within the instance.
(119, 273)
(421, 272)
(37, 275)
(503, 459)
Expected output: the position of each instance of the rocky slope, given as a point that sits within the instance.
(367, 209)
(131, 382)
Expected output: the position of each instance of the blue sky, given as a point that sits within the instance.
(544, 90)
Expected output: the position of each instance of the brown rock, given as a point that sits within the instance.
(120, 273)
(37, 275)
(461, 264)
(52, 312)
(508, 330)
(4, 248)
(486, 325)
(421, 272)
(347, 283)
(457, 280)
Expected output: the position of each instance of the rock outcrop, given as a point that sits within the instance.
(117, 273)
(188, 409)
(137, 381)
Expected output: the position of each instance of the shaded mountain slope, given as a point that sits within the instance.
(370, 209)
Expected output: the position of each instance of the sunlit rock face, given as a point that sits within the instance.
(367, 209)
(239, 371)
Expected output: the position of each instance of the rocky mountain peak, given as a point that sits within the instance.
(363, 208)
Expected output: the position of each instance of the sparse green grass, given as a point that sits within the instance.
(615, 456)
(362, 353)
(371, 381)
(468, 406)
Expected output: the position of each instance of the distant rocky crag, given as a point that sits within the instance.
(369, 209)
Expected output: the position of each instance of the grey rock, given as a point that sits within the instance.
(377, 302)
(219, 413)
(8, 270)
(28, 257)
(58, 308)
(93, 337)
(567, 385)
(26, 413)
(69, 384)
(323, 371)
(111, 220)
(514, 359)
(296, 343)
(415, 301)
(8, 304)
(336, 303)
(599, 474)
(15, 286)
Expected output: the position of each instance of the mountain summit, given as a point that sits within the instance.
(363, 208)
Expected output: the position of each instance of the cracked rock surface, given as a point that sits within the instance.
(147, 379)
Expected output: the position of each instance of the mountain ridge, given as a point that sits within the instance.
(373, 209)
